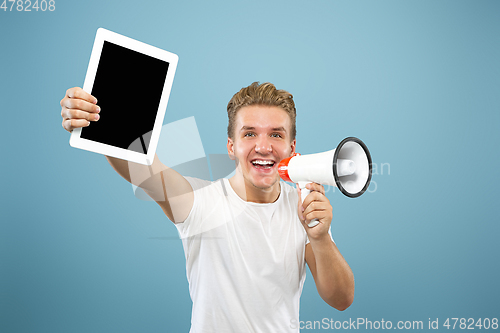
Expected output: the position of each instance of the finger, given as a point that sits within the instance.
(314, 196)
(315, 187)
(79, 93)
(70, 124)
(78, 114)
(80, 104)
(299, 193)
(300, 208)
(301, 216)
(312, 217)
(316, 205)
(317, 214)
(311, 207)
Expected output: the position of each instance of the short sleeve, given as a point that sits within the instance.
(207, 200)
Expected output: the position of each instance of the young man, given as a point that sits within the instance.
(246, 238)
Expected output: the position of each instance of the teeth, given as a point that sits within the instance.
(263, 162)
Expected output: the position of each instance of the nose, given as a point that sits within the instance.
(263, 146)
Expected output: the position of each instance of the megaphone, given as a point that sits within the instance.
(348, 167)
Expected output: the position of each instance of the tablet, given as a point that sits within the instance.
(131, 81)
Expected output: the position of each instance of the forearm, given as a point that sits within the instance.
(334, 278)
(120, 166)
(135, 173)
(164, 185)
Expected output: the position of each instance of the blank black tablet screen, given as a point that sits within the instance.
(128, 87)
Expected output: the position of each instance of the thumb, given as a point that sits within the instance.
(300, 208)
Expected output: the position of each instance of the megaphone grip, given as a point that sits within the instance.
(304, 192)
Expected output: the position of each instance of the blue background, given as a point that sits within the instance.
(418, 81)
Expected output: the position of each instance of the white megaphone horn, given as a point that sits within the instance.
(348, 167)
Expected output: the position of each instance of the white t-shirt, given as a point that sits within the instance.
(244, 261)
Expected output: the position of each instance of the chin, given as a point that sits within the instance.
(266, 183)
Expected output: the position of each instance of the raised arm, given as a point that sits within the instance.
(164, 185)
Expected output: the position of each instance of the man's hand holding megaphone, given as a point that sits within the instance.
(316, 206)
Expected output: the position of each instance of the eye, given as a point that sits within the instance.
(249, 134)
(276, 135)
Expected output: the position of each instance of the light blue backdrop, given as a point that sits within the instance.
(418, 81)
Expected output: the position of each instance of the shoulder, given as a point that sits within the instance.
(197, 183)
(206, 189)
(209, 198)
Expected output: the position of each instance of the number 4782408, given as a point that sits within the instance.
(28, 6)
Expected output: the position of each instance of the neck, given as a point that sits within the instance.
(249, 192)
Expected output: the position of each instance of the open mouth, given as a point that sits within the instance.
(263, 164)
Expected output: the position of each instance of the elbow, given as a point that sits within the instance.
(341, 306)
(340, 301)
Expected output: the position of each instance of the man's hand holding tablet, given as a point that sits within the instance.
(79, 109)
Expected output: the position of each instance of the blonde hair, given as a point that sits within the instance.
(261, 94)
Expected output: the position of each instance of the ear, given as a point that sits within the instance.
(293, 147)
(230, 148)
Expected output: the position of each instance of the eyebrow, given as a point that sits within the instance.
(275, 129)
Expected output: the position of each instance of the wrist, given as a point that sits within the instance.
(321, 239)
